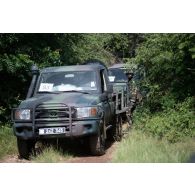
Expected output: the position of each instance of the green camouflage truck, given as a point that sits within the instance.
(121, 87)
(67, 102)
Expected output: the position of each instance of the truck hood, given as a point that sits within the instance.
(74, 99)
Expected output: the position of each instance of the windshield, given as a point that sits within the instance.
(67, 81)
(117, 75)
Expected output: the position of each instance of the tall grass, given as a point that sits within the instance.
(164, 136)
(51, 155)
(141, 148)
(8, 144)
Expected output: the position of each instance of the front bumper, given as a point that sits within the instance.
(78, 129)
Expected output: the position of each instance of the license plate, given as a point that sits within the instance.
(51, 131)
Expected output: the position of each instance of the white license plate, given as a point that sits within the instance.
(51, 131)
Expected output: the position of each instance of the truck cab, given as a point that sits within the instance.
(118, 78)
(65, 102)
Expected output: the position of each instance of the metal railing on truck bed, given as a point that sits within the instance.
(122, 101)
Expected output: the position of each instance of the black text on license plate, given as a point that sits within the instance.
(53, 130)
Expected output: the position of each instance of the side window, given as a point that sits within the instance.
(103, 81)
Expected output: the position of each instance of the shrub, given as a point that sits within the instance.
(172, 124)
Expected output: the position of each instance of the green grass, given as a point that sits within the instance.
(138, 147)
(51, 155)
(141, 148)
(8, 144)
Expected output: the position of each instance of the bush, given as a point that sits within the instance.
(172, 123)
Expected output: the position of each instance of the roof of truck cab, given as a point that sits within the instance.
(73, 68)
(117, 66)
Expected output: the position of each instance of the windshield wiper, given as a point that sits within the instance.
(58, 92)
(53, 92)
(84, 92)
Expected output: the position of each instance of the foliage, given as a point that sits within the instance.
(139, 147)
(7, 141)
(169, 64)
(174, 124)
(17, 53)
(123, 46)
(92, 46)
(168, 109)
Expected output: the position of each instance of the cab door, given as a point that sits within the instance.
(106, 97)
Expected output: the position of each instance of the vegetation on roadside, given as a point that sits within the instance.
(169, 63)
(166, 136)
(139, 147)
(51, 155)
(8, 146)
(7, 141)
(164, 125)
(172, 124)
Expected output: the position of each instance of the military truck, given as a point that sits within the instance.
(68, 102)
(124, 78)
(121, 87)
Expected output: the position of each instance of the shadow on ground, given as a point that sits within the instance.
(75, 147)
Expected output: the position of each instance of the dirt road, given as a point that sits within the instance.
(106, 158)
(79, 153)
(80, 156)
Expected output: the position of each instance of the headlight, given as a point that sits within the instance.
(86, 112)
(22, 114)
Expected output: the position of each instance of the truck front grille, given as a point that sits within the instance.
(53, 113)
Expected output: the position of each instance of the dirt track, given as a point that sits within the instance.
(106, 158)
(79, 153)
(80, 156)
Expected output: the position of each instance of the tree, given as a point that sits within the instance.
(169, 62)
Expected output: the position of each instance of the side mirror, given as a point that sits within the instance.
(34, 70)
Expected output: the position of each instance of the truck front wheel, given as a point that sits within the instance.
(97, 143)
(25, 148)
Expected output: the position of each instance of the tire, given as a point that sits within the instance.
(97, 142)
(25, 148)
(118, 131)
